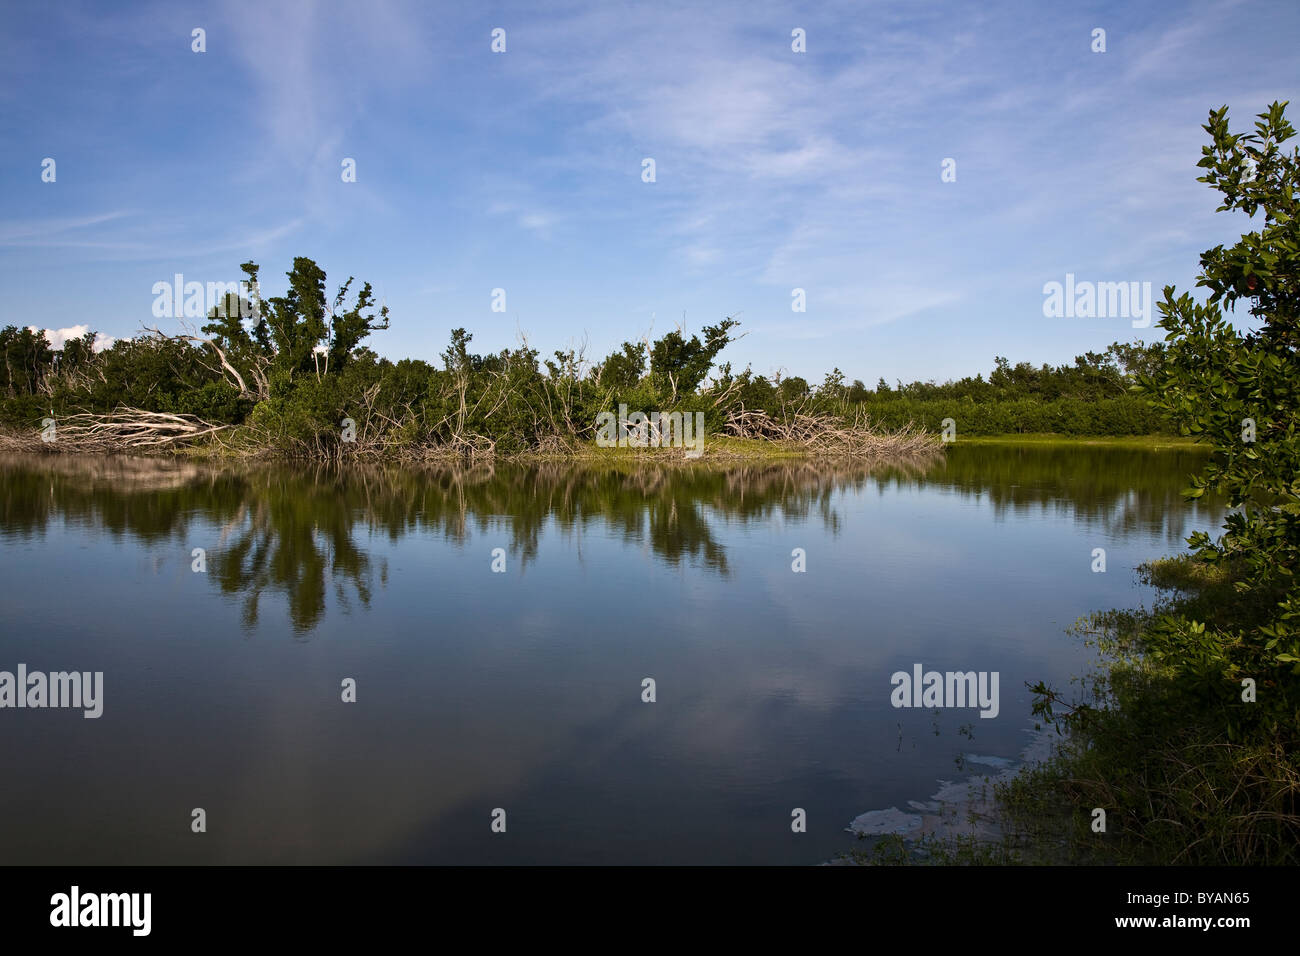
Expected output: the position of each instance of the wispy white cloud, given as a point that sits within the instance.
(535, 220)
(142, 241)
(25, 232)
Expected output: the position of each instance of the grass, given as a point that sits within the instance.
(715, 447)
(1044, 439)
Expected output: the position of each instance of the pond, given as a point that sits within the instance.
(393, 665)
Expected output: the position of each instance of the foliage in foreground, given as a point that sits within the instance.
(1189, 738)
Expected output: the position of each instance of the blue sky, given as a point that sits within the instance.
(522, 170)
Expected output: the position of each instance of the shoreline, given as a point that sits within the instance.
(967, 810)
(717, 448)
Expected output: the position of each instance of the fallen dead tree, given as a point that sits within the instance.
(821, 434)
(124, 429)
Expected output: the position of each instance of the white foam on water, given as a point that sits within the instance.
(962, 807)
(999, 762)
(880, 822)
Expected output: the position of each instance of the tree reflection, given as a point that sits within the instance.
(304, 533)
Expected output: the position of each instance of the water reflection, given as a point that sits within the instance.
(523, 690)
(305, 533)
(1117, 491)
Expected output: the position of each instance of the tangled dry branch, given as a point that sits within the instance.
(821, 434)
(126, 428)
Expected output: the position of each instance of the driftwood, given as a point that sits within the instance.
(127, 428)
(831, 434)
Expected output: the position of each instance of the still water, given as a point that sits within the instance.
(522, 689)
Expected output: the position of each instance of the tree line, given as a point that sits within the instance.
(290, 368)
